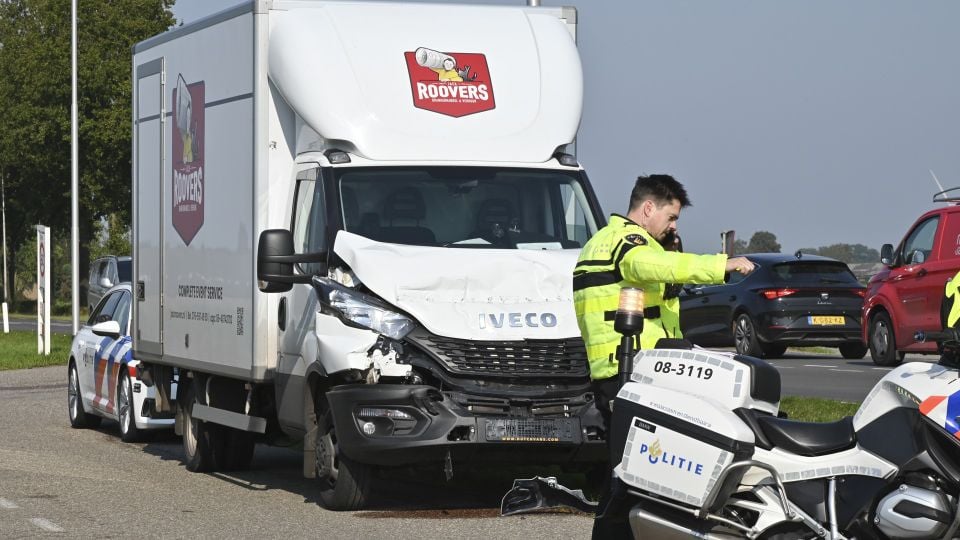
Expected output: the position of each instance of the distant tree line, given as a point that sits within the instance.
(766, 242)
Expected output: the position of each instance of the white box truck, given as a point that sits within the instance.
(355, 226)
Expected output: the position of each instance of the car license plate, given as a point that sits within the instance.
(823, 320)
(533, 430)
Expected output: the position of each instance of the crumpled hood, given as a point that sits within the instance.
(466, 293)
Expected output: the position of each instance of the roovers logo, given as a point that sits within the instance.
(454, 84)
(187, 147)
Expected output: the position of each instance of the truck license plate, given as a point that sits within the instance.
(545, 430)
(826, 320)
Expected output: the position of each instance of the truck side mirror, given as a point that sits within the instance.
(886, 254)
(273, 275)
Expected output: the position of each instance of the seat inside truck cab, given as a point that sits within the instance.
(403, 212)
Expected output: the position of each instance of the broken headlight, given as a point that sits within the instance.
(362, 310)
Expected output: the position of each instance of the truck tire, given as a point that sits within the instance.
(237, 450)
(745, 336)
(203, 442)
(79, 418)
(882, 341)
(344, 484)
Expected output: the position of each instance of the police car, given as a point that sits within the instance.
(103, 379)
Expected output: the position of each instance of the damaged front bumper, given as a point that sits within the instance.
(393, 424)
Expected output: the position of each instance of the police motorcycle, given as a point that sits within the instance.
(699, 449)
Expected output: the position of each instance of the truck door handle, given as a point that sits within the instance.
(922, 272)
(282, 314)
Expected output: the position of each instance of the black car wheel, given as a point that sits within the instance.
(125, 409)
(745, 336)
(79, 418)
(773, 350)
(883, 345)
(853, 351)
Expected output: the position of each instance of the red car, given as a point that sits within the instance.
(905, 296)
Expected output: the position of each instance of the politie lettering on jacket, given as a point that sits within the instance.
(657, 455)
(517, 320)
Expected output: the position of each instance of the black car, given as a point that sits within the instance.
(788, 300)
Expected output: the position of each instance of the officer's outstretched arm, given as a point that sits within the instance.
(646, 264)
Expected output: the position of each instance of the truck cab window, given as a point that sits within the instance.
(310, 219)
(920, 239)
(467, 207)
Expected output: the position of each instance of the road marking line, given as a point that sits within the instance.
(783, 367)
(846, 370)
(7, 504)
(46, 525)
(882, 368)
(815, 365)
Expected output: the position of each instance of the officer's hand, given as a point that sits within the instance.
(739, 264)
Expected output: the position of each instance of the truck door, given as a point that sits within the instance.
(298, 307)
(148, 143)
(917, 289)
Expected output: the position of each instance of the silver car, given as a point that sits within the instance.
(106, 272)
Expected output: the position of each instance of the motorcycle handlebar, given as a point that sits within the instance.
(948, 334)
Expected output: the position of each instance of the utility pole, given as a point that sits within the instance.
(74, 180)
(3, 196)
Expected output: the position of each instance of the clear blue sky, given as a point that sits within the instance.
(816, 120)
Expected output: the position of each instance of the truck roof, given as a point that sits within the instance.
(421, 82)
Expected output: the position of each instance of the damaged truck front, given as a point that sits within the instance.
(356, 228)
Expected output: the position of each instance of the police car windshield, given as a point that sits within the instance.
(467, 207)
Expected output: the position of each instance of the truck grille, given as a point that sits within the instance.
(527, 358)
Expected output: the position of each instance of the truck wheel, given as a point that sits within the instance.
(125, 410)
(202, 441)
(238, 450)
(79, 418)
(745, 336)
(344, 484)
(853, 351)
(883, 345)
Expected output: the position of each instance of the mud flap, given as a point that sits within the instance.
(530, 495)
(309, 453)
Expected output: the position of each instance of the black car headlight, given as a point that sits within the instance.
(362, 310)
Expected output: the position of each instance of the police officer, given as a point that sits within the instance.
(629, 251)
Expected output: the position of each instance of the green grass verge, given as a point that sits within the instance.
(18, 350)
(808, 409)
(815, 350)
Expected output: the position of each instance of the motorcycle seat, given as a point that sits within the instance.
(809, 438)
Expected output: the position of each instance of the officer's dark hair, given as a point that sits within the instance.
(661, 189)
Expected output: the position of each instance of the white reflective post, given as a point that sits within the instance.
(6, 321)
(43, 290)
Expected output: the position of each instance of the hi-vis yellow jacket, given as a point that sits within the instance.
(623, 254)
(951, 305)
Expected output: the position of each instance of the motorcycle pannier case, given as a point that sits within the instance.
(678, 444)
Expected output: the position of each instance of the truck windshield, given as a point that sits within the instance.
(467, 207)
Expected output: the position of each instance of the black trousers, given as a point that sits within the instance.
(611, 521)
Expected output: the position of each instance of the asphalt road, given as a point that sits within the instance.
(57, 481)
(30, 325)
(831, 376)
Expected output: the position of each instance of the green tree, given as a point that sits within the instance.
(848, 253)
(112, 238)
(763, 242)
(739, 247)
(35, 109)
